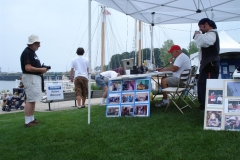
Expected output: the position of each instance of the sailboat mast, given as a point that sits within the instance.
(135, 43)
(103, 39)
(140, 44)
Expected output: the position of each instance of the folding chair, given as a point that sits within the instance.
(177, 93)
(190, 95)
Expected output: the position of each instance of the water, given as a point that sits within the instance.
(8, 85)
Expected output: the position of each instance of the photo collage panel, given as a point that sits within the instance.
(128, 98)
(222, 106)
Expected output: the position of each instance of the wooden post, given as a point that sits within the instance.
(140, 45)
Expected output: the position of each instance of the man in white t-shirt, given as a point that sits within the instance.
(178, 63)
(102, 81)
(80, 66)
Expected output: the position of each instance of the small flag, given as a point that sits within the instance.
(107, 12)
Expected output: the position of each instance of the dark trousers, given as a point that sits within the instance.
(202, 80)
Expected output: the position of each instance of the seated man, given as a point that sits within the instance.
(178, 63)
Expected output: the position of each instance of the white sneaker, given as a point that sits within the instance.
(103, 104)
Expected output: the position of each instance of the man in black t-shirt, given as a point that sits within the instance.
(209, 44)
(31, 78)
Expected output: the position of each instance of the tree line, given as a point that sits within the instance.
(160, 55)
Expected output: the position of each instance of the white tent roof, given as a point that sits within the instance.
(177, 11)
(227, 44)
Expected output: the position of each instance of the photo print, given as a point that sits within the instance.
(141, 110)
(128, 85)
(113, 111)
(232, 122)
(142, 97)
(142, 84)
(233, 89)
(127, 110)
(114, 98)
(213, 119)
(233, 105)
(128, 97)
(215, 97)
(115, 86)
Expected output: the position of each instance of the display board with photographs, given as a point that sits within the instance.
(129, 97)
(222, 106)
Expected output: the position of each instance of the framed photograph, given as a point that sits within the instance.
(128, 97)
(233, 89)
(142, 84)
(233, 105)
(128, 85)
(127, 110)
(215, 97)
(113, 111)
(232, 122)
(141, 110)
(142, 97)
(213, 119)
(114, 98)
(115, 86)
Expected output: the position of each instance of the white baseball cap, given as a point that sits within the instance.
(33, 38)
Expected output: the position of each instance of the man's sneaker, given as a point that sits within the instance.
(103, 104)
(83, 106)
(35, 121)
(30, 124)
(161, 104)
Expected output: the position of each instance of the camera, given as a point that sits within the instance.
(44, 66)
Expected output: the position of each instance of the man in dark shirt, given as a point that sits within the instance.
(209, 44)
(31, 78)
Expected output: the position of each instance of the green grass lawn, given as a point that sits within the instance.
(67, 135)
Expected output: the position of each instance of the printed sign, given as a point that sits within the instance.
(54, 91)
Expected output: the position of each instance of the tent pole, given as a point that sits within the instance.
(152, 59)
(89, 58)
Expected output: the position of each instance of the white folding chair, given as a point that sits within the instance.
(177, 93)
(189, 92)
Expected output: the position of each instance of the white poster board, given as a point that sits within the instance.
(222, 106)
(54, 91)
(129, 97)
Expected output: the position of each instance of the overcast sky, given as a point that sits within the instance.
(62, 28)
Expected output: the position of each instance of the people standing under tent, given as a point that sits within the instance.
(80, 64)
(32, 78)
(177, 65)
(209, 44)
(102, 81)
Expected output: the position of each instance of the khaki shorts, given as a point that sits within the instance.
(32, 87)
(81, 86)
(173, 82)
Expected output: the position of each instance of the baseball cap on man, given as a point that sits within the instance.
(33, 38)
(174, 47)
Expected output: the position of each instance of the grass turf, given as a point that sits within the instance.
(66, 135)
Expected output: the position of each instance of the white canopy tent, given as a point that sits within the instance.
(177, 11)
(171, 12)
